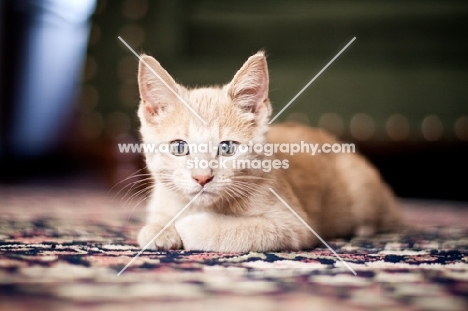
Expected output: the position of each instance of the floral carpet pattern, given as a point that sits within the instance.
(63, 250)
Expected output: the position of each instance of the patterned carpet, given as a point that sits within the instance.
(61, 249)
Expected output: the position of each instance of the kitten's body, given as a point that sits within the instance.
(336, 194)
(341, 192)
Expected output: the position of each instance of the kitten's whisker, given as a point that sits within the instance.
(130, 184)
(261, 185)
(142, 180)
(118, 183)
(134, 207)
(238, 191)
(145, 188)
(171, 187)
(234, 198)
(250, 177)
(128, 177)
(246, 185)
(134, 186)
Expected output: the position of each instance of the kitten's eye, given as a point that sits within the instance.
(227, 148)
(179, 148)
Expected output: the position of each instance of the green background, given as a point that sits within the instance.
(409, 58)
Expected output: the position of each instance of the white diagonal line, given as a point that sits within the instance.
(159, 233)
(164, 82)
(310, 82)
(312, 230)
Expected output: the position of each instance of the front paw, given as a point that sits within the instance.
(168, 239)
(197, 232)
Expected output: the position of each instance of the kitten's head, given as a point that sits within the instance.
(236, 113)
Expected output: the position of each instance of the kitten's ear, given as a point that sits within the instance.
(155, 85)
(249, 87)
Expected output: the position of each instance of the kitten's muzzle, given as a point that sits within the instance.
(202, 179)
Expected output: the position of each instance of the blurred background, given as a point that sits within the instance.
(68, 86)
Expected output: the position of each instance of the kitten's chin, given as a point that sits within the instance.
(208, 196)
(207, 191)
(211, 196)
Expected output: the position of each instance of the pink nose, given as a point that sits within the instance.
(203, 179)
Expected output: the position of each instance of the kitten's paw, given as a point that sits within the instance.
(364, 231)
(168, 239)
(197, 232)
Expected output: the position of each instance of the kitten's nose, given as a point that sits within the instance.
(203, 179)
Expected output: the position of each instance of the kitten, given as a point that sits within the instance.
(338, 195)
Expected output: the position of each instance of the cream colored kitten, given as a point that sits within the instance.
(338, 195)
